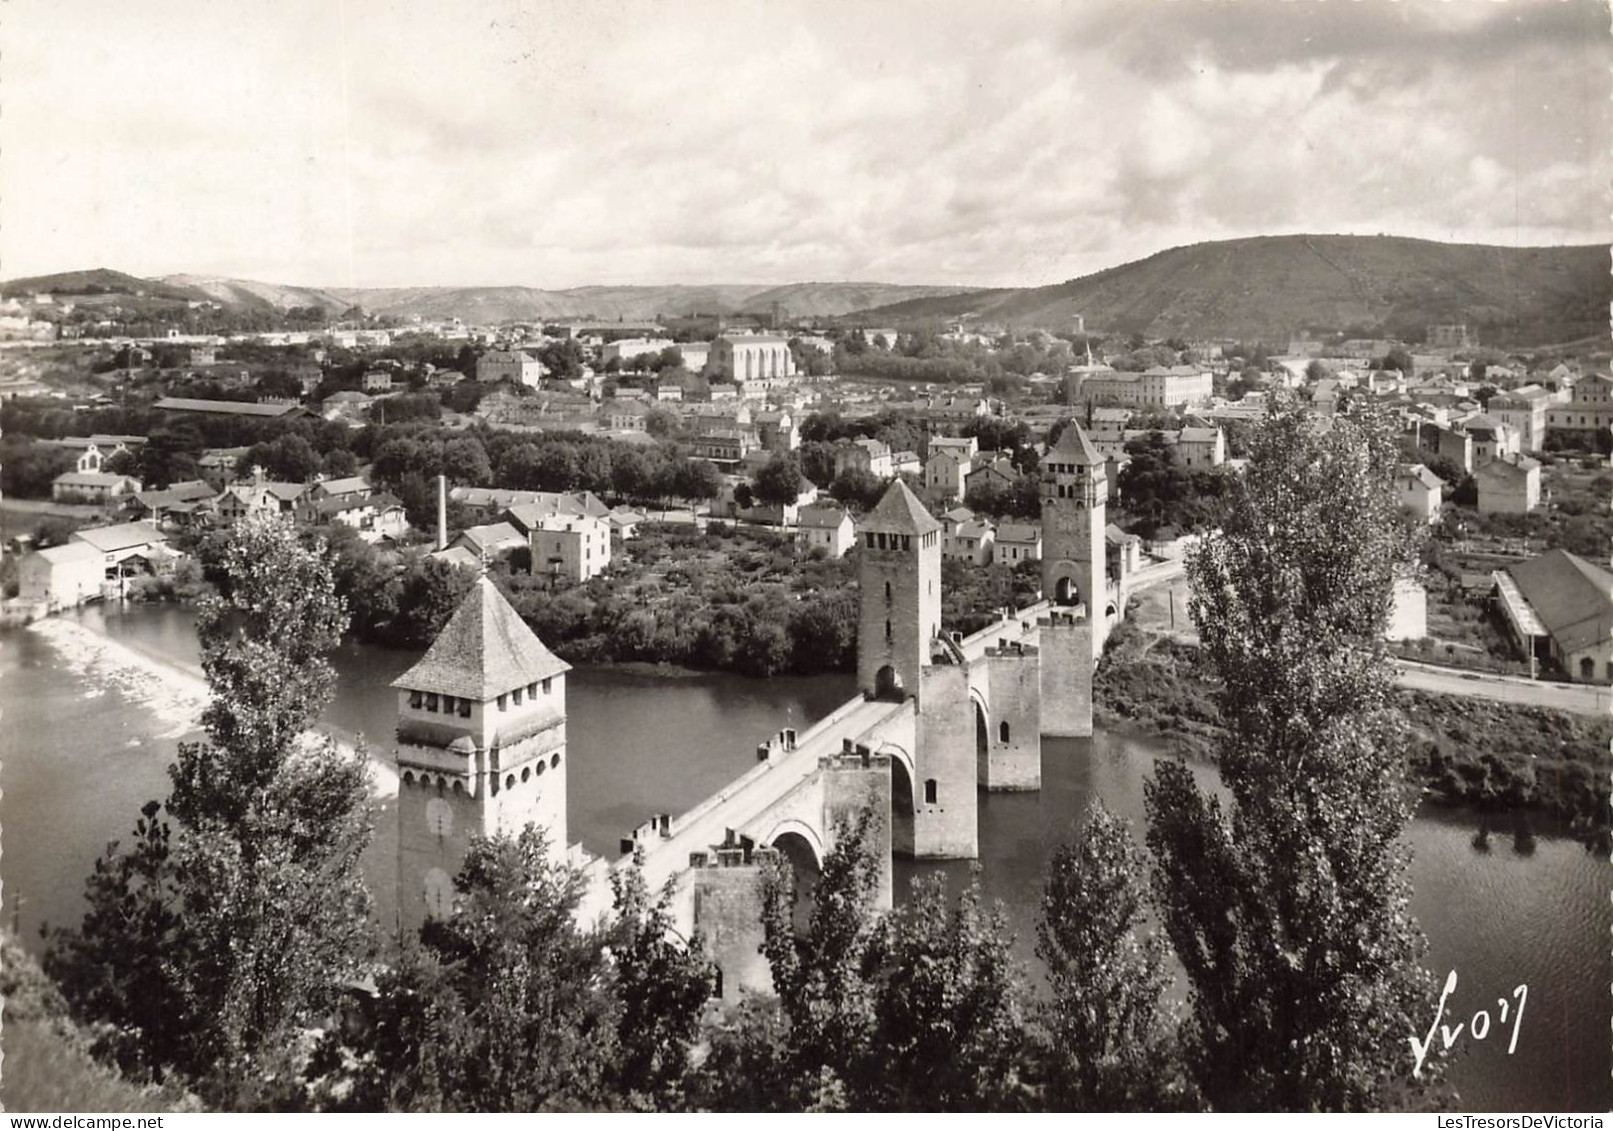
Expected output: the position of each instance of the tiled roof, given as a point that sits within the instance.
(899, 512)
(1421, 473)
(109, 539)
(484, 651)
(225, 408)
(821, 517)
(1572, 597)
(1074, 445)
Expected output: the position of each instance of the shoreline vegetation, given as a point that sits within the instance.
(1494, 758)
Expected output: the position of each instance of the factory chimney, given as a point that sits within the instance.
(442, 512)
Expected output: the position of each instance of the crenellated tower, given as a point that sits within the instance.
(481, 747)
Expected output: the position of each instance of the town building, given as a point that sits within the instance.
(1161, 387)
(827, 526)
(61, 577)
(190, 405)
(1421, 492)
(1524, 410)
(1508, 485)
(572, 548)
(515, 366)
(750, 357)
(865, 455)
(179, 504)
(971, 542)
(92, 487)
(1018, 542)
(1560, 607)
(1589, 407)
(1491, 438)
(625, 350)
(945, 471)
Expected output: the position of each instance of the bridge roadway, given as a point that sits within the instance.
(668, 841)
(740, 802)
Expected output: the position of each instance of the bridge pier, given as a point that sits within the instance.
(945, 808)
(1013, 758)
(1067, 664)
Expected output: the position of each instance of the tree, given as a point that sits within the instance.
(497, 1009)
(661, 987)
(1107, 1047)
(1288, 906)
(824, 981)
(778, 484)
(950, 1032)
(209, 951)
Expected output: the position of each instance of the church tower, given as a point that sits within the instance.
(900, 577)
(1075, 493)
(481, 748)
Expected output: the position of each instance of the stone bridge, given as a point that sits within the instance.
(938, 717)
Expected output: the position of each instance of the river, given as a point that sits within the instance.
(95, 704)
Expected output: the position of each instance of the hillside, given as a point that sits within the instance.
(99, 281)
(513, 304)
(245, 293)
(1269, 288)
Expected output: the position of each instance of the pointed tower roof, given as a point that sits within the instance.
(899, 512)
(484, 651)
(1074, 445)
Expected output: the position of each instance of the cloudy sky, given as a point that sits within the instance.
(558, 143)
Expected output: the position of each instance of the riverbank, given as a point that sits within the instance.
(175, 694)
(1494, 757)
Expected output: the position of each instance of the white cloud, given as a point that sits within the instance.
(557, 142)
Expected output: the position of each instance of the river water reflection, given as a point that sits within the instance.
(94, 706)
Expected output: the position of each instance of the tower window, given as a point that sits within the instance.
(1002, 731)
(516, 695)
(416, 698)
(503, 702)
(929, 791)
(431, 701)
(546, 686)
(464, 708)
(887, 630)
(887, 591)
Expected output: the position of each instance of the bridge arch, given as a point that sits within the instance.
(802, 847)
(904, 809)
(982, 714)
(811, 837)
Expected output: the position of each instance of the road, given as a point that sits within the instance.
(1162, 609)
(1584, 699)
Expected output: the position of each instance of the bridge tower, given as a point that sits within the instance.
(900, 575)
(1074, 492)
(901, 655)
(481, 748)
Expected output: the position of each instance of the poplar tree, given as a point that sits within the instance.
(1288, 905)
(231, 928)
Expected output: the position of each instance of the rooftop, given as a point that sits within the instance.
(484, 651)
(899, 512)
(1572, 597)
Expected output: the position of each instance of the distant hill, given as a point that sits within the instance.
(100, 281)
(1269, 288)
(632, 304)
(486, 304)
(248, 294)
